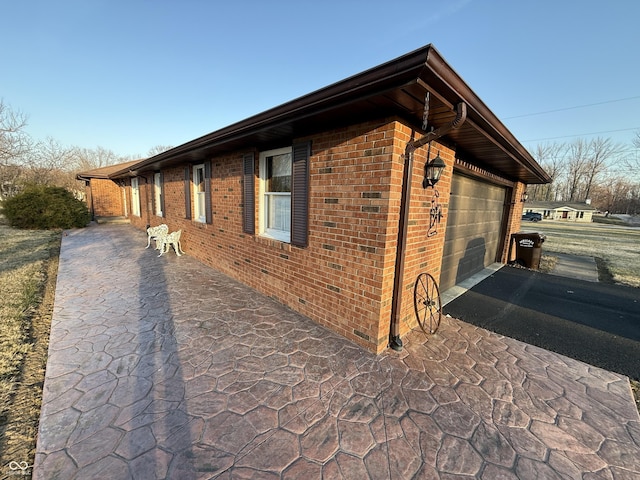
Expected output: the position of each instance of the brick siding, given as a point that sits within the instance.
(105, 197)
(344, 278)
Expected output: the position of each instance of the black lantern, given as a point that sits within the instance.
(432, 171)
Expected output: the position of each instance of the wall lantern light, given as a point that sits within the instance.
(432, 171)
(524, 197)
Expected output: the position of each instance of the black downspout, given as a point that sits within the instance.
(395, 342)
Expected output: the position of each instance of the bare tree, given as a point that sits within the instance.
(14, 145)
(631, 162)
(158, 149)
(576, 168)
(90, 158)
(11, 177)
(47, 161)
(551, 158)
(50, 163)
(600, 154)
(609, 193)
(14, 142)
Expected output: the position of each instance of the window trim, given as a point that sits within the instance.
(199, 216)
(187, 193)
(136, 208)
(158, 194)
(281, 235)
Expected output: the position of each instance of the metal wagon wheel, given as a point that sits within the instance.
(426, 302)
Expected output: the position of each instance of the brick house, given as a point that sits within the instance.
(320, 202)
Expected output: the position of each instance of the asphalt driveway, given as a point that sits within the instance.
(593, 322)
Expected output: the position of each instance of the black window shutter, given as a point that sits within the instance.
(207, 192)
(300, 194)
(164, 214)
(187, 193)
(248, 194)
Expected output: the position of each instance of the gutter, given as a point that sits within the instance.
(424, 66)
(484, 120)
(395, 342)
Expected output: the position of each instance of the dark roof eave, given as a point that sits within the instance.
(83, 177)
(397, 73)
(107, 172)
(481, 114)
(425, 66)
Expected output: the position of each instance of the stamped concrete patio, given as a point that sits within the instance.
(165, 368)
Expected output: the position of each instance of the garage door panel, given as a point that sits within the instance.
(474, 225)
(475, 246)
(470, 231)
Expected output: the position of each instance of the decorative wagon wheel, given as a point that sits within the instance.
(426, 302)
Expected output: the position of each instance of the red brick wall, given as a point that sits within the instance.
(423, 253)
(344, 278)
(341, 278)
(105, 197)
(514, 220)
(147, 213)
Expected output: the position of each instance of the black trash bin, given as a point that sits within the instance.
(528, 249)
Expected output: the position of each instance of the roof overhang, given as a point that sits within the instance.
(107, 172)
(394, 89)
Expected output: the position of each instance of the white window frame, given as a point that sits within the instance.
(264, 198)
(157, 193)
(135, 197)
(199, 196)
(124, 201)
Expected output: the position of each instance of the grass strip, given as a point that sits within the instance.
(25, 260)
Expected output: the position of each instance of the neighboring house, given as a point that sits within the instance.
(567, 211)
(319, 202)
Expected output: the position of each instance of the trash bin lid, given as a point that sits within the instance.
(529, 239)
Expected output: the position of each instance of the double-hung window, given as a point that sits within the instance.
(199, 197)
(275, 193)
(135, 196)
(283, 194)
(158, 194)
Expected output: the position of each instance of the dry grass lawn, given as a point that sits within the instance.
(28, 268)
(615, 248)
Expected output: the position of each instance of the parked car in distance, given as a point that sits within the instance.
(532, 216)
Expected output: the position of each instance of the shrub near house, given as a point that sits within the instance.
(44, 207)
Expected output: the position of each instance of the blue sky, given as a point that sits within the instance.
(128, 75)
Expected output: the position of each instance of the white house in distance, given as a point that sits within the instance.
(565, 211)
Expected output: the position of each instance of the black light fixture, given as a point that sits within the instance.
(433, 171)
(524, 197)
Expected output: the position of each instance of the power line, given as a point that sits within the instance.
(572, 108)
(581, 134)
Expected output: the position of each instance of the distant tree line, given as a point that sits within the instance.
(608, 174)
(597, 170)
(25, 161)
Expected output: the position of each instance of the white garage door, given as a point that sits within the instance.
(474, 229)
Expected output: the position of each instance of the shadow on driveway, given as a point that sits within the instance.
(593, 322)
